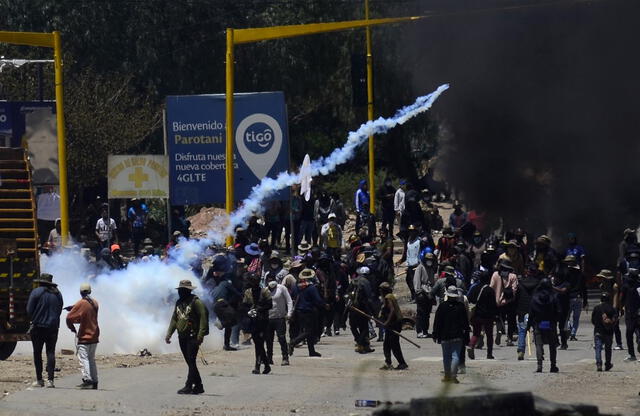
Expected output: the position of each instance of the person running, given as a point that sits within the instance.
(279, 314)
(604, 319)
(44, 308)
(543, 318)
(257, 301)
(391, 315)
(191, 319)
(450, 328)
(85, 313)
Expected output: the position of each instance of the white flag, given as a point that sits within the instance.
(305, 178)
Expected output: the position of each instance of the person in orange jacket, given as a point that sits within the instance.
(85, 313)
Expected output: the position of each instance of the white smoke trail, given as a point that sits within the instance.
(325, 165)
(136, 303)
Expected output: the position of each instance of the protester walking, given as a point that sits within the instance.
(307, 302)
(423, 282)
(604, 319)
(543, 318)
(361, 297)
(191, 320)
(527, 285)
(44, 308)
(391, 316)
(450, 328)
(505, 284)
(483, 313)
(413, 258)
(85, 313)
(257, 301)
(279, 314)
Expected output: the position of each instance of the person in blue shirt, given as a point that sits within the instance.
(362, 202)
(44, 308)
(575, 250)
(137, 216)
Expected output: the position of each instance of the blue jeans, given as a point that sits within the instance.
(522, 332)
(575, 309)
(601, 341)
(451, 356)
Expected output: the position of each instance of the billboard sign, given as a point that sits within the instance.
(139, 176)
(196, 144)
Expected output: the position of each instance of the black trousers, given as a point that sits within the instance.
(508, 314)
(137, 237)
(423, 312)
(562, 326)
(541, 337)
(392, 344)
(227, 335)
(44, 337)
(189, 347)
(359, 328)
(411, 271)
(307, 321)
(338, 314)
(278, 327)
(259, 335)
(632, 325)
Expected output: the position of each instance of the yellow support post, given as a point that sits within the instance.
(372, 177)
(229, 127)
(62, 151)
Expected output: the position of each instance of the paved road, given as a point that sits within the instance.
(329, 385)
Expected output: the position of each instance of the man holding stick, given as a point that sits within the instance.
(391, 315)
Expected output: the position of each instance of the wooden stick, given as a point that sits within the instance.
(529, 342)
(353, 308)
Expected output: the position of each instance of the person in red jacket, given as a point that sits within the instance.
(85, 313)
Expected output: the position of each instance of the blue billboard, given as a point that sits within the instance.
(196, 139)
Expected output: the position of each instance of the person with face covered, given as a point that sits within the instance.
(386, 193)
(191, 319)
(630, 302)
(257, 302)
(225, 297)
(544, 257)
(279, 314)
(504, 282)
(512, 253)
(307, 302)
(423, 281)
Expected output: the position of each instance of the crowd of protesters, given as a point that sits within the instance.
(482, 287)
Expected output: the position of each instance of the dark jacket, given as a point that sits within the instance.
(599, 326)
(451, 321)
(307, 299)
(544, 307)
(526, 286)
(260, 300)
(486, 307)
(190, 318)
(45, 306)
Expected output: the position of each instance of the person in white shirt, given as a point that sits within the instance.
(413, 258)
(398, 201)
(48, 209)
(279, 314)
(106, 231)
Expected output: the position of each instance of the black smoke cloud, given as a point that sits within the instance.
(543, 114)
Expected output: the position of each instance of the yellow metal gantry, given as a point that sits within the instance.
(51, 40)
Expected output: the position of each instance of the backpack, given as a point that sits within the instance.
(193, 318)
(472, 305)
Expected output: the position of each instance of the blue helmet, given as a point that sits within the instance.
(425, 251)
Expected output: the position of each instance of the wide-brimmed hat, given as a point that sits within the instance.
(544, 239)
(571, 261)
(452, 292)
(510, 243)
(332, 215)
(450, 270)
(606, 274)
(45, 279)
(629, 231)
(360, 258)
(306, 274)
(275, 256)
(353, 238)
(185, 284)
(505, 264)
(177, 233)
(296, 264)
(252, 249)
(304, 247)
(147, 241)
(385, 286)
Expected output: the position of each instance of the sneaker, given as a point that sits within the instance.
(608, 366)
(38, 383)
(336, 332)
(315, 354)
(471, 353)
(198, 389)
(89, 386)
(285, 362)
(573, 338)
(520, 355)
(402, 366)
(267, 369)
(631, 358)
(367, 350)
(186, 390)
(539, 368)
(618, 348)
(50, 384)
(490, 357)
(554, 369)
(599, 367)
(428, 335)
(564, 347)
(420, 335)
(386, 367)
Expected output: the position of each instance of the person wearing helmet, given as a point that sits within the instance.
(360, 296)
(423, 281)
